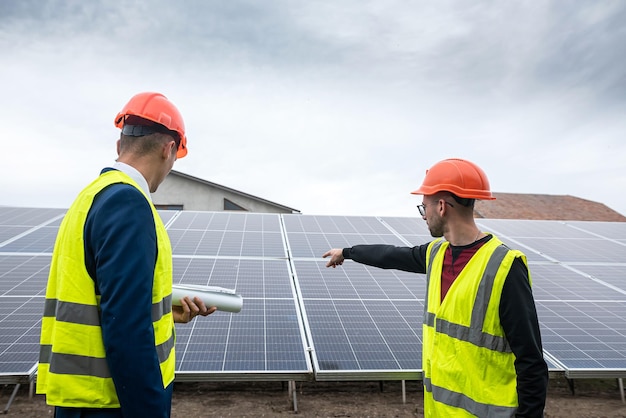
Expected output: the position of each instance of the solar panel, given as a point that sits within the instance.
(266, 339)
(556, 282)
(312, 236)
(613, 275)
(412, 230)
(301, 319)
(227, 234)
(263, 341)
(578, 250)
(13, 216)
(358, 339)
(588, 338)
(20, 321)
(532, 229)
(23, 275)
(610, 230)
(38, 240)
(167, 215)
(557, 253)
(9, 232)
(362, 322)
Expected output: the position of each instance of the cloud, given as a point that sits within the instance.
(331, 108)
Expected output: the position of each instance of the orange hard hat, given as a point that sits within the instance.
(461, 177)
(157, 108)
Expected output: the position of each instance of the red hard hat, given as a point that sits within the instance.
(461, 177)
(156, 108)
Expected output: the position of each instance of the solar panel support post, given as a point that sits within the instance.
(570, 383)
(293, 394)
(620, 382)
(404, 392)
(6, 409)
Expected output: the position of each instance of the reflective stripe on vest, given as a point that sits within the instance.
(78, 313)
(462, 401)
(89, 366)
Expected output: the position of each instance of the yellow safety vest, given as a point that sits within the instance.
(467, 362)
(73, 370)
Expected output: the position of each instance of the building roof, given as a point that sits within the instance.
(545, 207)
(228, 189)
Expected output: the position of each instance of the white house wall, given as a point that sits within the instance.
(194, 195)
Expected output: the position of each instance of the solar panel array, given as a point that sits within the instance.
(301, 320)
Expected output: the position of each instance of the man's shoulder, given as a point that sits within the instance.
(121, 198)
(120, 191)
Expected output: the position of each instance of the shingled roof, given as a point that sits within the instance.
(545, 207)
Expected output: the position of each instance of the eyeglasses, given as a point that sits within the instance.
(422, 208)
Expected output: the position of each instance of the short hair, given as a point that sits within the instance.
(135, 126)
(143, 145)
(463, 201)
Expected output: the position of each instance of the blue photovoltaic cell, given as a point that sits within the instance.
(578, 250)
(40, 240)
(13, 216)
(531, 229)
(585, 336)
(227, 234)
(334, 224)
(227, 221)
(614, 275)
(8, 232)
(166, 215)
(20, 321)
(263, 338)
(312, 236)
(357, 281)
(408, 226)
(377, 337)
(610, 230)
(556, 282)
(23, 275)
(249, 278)
(413, 230)
(364, 322)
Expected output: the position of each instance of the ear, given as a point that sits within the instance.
(168, 149)
(118, 145)
(442, 206)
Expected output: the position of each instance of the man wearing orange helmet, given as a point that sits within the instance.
(482, 352)
(107, 336)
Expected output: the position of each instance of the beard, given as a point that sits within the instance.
(435, 226)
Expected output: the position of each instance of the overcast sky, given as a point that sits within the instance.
(331, 107)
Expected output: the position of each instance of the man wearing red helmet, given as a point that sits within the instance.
(482, 352)
(107, 336)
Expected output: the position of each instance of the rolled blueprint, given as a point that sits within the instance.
(223, 299)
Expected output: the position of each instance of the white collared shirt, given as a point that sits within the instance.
(134, 174)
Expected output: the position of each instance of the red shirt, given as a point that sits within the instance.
(454, 260)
